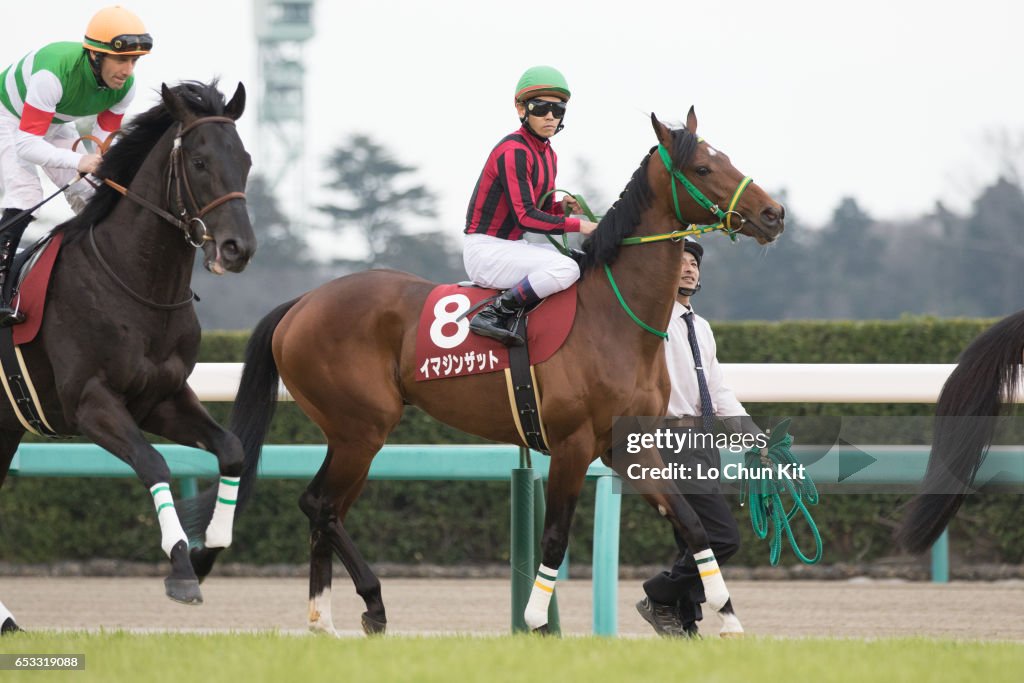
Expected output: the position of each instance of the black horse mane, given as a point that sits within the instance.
(124, 158)
(602, 247)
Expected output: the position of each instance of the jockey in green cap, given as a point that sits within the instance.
(506, 203)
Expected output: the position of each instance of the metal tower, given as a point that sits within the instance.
(282, 28)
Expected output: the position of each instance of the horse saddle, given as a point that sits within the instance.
(446, 348)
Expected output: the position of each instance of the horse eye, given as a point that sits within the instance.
(199, 163)
(703, 170)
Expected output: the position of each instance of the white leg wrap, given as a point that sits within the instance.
(5, 614)
(320, 620)
(536, 614)
(715, 591)
(218, 533)
(170, 527)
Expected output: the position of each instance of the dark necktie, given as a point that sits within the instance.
(706, 409)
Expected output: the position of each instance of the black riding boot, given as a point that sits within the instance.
(496, 319)
(10, 236)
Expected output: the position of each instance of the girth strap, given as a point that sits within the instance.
(19, 389)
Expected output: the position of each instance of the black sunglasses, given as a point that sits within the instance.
(542, 108)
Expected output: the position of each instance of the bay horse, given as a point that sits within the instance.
(120, 335)
(346, 353)
(986, 378)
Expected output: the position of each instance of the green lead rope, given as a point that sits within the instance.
(564, 248)
(764, 496)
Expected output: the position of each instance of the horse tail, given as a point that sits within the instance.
(250, 419)
(965, 418)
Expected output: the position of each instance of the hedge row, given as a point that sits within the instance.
(44, 520)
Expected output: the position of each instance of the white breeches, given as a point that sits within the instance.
(500, 263)
(19, 179)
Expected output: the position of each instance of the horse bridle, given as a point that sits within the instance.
(177, 180)
(724, 223)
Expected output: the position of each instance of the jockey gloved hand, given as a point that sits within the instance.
(88, 163)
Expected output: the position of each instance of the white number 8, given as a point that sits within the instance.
(445, 314)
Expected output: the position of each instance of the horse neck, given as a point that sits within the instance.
(647, 276)
(146, 251)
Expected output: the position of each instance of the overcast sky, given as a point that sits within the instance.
(887, 101)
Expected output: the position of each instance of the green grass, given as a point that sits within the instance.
(251, 658)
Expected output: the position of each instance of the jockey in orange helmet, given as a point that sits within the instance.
(41, 96)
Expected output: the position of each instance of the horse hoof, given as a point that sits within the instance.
(322, 628)
(9, 627)
(202, 560)
(731, 634)
(542, 630)
(185, 591)
(373, 627)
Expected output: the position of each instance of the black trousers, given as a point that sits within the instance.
(681, 585)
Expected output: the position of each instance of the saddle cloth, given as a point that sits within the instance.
(446, 348)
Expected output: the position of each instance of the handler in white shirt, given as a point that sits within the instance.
(672, 601)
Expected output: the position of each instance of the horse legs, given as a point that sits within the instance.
(565, 479)
(7, 623)
(9, 441)
(326, 502)
(184, 420)
(102, 417)
(689, 532)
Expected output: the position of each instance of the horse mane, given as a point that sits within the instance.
(622, 219)
(124, 158)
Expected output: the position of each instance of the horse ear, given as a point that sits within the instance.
(174, 105)
(691, 120)
(661, 131)
(236, 106)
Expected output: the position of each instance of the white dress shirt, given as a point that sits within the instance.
(684, 398)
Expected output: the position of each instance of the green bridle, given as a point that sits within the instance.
(724, 217)
(724, 223)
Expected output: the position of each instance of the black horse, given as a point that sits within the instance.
(120, 336)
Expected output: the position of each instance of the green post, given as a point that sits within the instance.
(607, 509)
(940, 558)
(539, 510)
(521, 555)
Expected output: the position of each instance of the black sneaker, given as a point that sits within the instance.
(9, 626)
(664, 618)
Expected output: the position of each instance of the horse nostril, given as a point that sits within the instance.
(769, 217)
(230, 249)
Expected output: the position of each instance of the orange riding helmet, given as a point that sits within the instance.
(116, 31)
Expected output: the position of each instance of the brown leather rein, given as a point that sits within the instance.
(177, 180)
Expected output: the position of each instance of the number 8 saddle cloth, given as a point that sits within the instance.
(446, 348)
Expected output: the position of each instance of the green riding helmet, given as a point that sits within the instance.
(538, 81)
